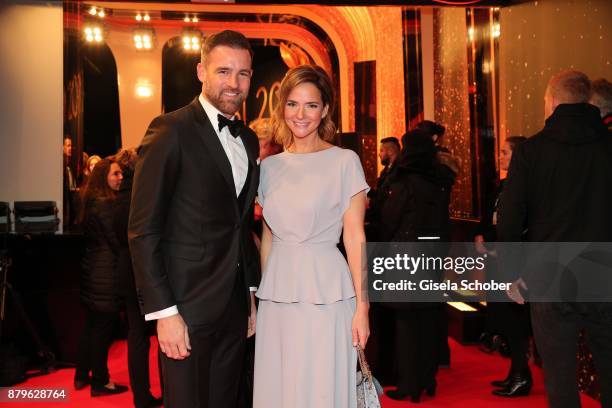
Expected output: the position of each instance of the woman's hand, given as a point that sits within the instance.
(361, 325)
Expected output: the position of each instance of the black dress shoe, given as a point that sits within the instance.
(504, 348)
(397, 395)
(490, 343)
(152, 402)
(79, 384)
(501, 383)
(106, 390)
(518, 387)
(486, 343)
(431, 390)
(155, 402)
(525, 374)
(401, 396)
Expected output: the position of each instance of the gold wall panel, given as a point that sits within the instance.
(451, 99)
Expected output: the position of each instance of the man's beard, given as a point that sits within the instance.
(225, 105)
(385, 162)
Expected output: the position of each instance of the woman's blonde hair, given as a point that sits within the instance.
(315, 75)
(91, 159)
(262, 128)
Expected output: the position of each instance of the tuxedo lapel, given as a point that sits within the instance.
(253, 167)
(212, 143)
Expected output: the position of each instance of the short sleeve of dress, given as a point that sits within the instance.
(353, 179)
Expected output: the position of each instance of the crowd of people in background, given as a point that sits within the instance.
(107, 280)
(411, 199)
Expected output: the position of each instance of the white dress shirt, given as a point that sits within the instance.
(239, 161)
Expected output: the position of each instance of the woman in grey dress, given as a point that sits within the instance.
(312, 311)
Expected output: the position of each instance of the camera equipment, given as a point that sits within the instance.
(5, 217)
(36, 216)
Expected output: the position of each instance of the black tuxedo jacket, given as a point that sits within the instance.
(188, 236)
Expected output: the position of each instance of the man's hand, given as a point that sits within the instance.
(514, 293)
(173, 336)
(252, 317)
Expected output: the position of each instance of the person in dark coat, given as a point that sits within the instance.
(558, 190)
(508, 319)
(389, 152)
(602, 98)
(138, 329)
(416, 207)
(450, 164)
(98, 280)
(379, 355)
(447, 169)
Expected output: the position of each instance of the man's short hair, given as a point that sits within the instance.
(228, 38)
(602, 95)
(514, 141)
(431, 128)
(126, 159)
(392, 140)
(570, 87)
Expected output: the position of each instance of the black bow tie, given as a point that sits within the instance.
(234, 126)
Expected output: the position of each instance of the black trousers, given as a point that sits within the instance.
(417, 348)
(512, 321)
(444, 354)
(514, 324)
(556, 327)
(138, 352)
(210, 376)
(380, 351)
(93, 348)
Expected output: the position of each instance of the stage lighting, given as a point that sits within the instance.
(192, 40)
(495, 30)
(143, 38)
(188, 19)
(144, 89)
(471, 33)
(143, 17)
(94, 11)
(486, 67)
(93, 33)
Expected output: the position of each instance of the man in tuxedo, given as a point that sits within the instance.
(194, 260)
(558, 190)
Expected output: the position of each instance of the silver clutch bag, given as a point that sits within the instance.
(368, 388)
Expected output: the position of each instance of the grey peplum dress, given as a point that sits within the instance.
(304, 356)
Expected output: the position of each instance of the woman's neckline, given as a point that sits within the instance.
(315, 152)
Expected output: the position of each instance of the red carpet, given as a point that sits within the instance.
(465, 384)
